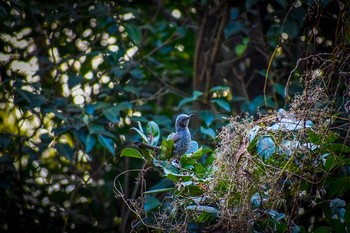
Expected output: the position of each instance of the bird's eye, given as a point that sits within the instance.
(182, 123)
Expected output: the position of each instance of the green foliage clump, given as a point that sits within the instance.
(268, 175)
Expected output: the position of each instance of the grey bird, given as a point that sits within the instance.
(182, 136)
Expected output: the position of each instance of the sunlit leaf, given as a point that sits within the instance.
(200, 152)
(240, 49)
(131, 153)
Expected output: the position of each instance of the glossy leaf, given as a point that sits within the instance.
(153, 132)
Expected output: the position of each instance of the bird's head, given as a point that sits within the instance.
(182, 121)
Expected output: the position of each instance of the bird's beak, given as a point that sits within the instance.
(189, 116)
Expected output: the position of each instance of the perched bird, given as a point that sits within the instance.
(182, 135)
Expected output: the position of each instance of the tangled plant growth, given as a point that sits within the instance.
(273, 174)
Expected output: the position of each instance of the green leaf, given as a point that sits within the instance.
(107, 143)
(323, 229)
(208, 131)
(188, 162)
(65, 150)
(194, 97)
(192, 190)
(197, 94)
(166, 166)
(338, 186)
(113, 113)
(199, 169)
(89, 109)
(200, 152)
(223, 103)
(90, 143)
(162, 190)
(150, 203)
(140, 126)
(279, 89)
(207, 117)
(96, 128)
(136, 73)
(166, 149)
(153, 132)
(140, 132)
(240, 49)
(134, 33)
(131, 153)
(347, 216)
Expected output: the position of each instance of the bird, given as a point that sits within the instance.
(182, 135)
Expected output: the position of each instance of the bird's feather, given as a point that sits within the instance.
(173, 136)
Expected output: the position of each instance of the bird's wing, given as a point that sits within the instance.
(173, 136)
